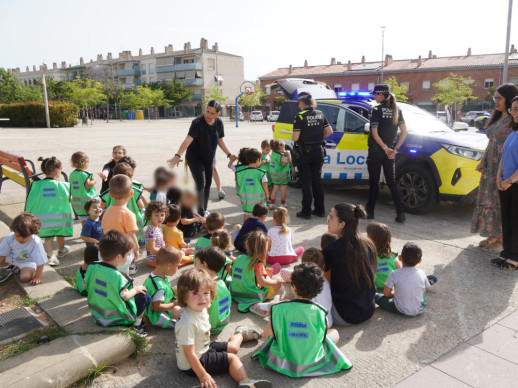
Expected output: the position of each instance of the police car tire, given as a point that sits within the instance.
(419, 178)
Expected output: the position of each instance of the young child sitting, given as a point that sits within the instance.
(163, 310)
(279, 170)
(23, 250)
(190, 222)
(299, 343)
(194, 355)
(164, 180)
(92, 229)
(405, 288)
(155, 214)
(82, 184)
(387, 260)
(112, 298)
(326, 239)
(174, 236)
(90, 255)
(280, 238)
(251, 183)
(252, 282)
(212, 260)
(256, 222)
(213, 221)
(222, 240)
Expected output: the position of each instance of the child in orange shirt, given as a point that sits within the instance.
(174, 236)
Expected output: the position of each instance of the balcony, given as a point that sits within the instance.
(125, 72)
(181, 67)
(191, 82)
(196, 97)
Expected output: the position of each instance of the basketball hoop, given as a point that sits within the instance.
(247, 87)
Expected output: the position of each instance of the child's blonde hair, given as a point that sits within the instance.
(280, 216)
(256, 246)
(79, 160)
(276, 145)
(221, 239)
(313, 255)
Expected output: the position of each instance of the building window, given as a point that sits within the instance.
(370, 86)
(211, 64)
(338, 87)
(151, 68)
(355, 86)
(152, 79)
(405, 85)
(488, 82)
(426, 85)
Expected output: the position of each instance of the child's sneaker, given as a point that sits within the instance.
(432, 279)
(6, 273)
(271, 205)
(53, 260)
(286, 275)
(276, 268)
(255, 384)
(63, 252)
(140, 330)
(248, 333)
(133, 269)
(255, 309)
(221, 194)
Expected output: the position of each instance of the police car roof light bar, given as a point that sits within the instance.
(355, 95)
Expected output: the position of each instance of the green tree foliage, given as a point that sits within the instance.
(130, 101)
(396, 89)
(175, 92)
(59, 90)
(214, 93)
(488, 97)
(454, 91)
(11, 90)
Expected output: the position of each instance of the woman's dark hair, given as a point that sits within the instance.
(508, 91)
(214, 104)
(513, 125)
(49, 165)
(360, 251)
(390, 100)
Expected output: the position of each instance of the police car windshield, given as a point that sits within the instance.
(418, 120)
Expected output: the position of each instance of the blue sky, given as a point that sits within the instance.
(268, 34)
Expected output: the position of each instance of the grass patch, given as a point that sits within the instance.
(140, 342)
(92, 375)
(70, 280)
(27, 301)
(31, 341)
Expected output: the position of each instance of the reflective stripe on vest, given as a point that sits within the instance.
(79, 193)
(165, 320)
(249, 187)
(280, 174)
(105, 315)
(219, 310)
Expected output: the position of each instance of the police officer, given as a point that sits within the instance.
(309, 130)
(385, 120)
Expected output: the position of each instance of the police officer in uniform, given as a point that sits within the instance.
(386, 118)
(309, 130)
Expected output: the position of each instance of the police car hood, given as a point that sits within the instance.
(462, 139)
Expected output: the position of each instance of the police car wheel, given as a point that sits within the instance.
(418, 189)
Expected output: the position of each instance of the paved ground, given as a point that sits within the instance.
(470, 296)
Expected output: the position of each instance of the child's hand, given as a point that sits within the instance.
(140, 289)
(207, 381)
(102, 175)
(35, 281)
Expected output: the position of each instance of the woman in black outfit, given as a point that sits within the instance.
(205, 134)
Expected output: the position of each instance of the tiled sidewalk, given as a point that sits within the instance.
(489, 359)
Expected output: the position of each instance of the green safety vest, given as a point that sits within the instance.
(266, 167)
(249, 187)
(80, 194)
(132, 206)
(299, 346)
(203, 242)
(49, 200)
(385, 267)
(104, 283)
(163, 319)
(219, 310)
(244, 289)
(78, 281)
(280, 175)
(223, 274)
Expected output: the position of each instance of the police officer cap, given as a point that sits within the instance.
(304, 96)
(381, 88)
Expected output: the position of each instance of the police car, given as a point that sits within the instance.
(434, 163)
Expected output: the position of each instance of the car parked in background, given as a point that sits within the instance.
(273, 115)
(441, 115)
(256, 115)
(241, 116)
(470, 117)
(480, 121)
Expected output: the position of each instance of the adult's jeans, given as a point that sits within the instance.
(509, 209)
(202, 175)
(310, 173)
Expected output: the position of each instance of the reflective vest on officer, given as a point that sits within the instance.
(79, 193)
(79, 282)
(104, 283)
(385, 266)
(219, 310)
(132, 206)
(280, 175)
(163, 319)
(249, 187)
(203, 242)
(299, 346)
(244, 288)
(49, 200)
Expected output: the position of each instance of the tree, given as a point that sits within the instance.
(396, 89)
(214, 93)
(58, 90)
(87, 93)
(488, 97)
(30, 93)
(454, 91)
(10, 87)
(130, 101)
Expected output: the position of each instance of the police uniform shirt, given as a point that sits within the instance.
(382, 116)
(310, 123)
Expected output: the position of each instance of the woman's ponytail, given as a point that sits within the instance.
(391, 102)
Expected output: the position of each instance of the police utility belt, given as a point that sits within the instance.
(301, 149)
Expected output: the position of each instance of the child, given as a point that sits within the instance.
(82, 185)
(23, 250)
(119, 217)
(212, 260)
(155, 214)
(164, 180)
(212, 222)
(90, 255)
(242, 161)
(299, 343)
(194, 355)
(326, 239)
(265, 163)
(222, 240)
(280, 171)
(280, 238)
(251, 183)
(387, 260)
(190, 222)
(49, 200)
(112, 298)
(92, 229)
(251, 281)
(174, 237)
(163, 310)
(107, 173)
(256, 222)
(405, 288)
(136, 185)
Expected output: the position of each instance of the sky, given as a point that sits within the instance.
(267, 34)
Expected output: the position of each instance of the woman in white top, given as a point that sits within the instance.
(280, 237)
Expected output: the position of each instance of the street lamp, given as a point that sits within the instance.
(383, 50)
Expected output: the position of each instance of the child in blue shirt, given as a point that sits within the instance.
(92, 229)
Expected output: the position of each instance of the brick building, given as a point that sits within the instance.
(418, 75)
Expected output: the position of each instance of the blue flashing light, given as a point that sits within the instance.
(412, 151)
(355, 95)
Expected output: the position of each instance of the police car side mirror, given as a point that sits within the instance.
(367, 128)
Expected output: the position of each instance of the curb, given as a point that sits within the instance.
(65, 360)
